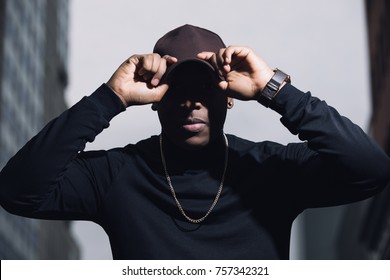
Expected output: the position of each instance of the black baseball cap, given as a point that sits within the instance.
(185, 42)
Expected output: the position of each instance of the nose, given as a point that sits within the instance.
(191, 104)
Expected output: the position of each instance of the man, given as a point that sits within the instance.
(194, 192)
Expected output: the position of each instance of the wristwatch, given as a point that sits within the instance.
(272, 88)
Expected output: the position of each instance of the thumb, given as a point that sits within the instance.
(223, 85)
(159, 92)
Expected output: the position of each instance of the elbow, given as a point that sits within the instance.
(383, 173)
(20, 206)
(383, 182)
(380, 180)
(378, 172)
(9, 201)
(14, 201)
(5, 194)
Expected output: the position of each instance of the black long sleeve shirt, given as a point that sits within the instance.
(125, 190)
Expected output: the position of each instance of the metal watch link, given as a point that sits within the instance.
(272, 88)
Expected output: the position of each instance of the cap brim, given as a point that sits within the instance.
(172, 68)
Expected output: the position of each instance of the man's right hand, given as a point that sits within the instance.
(137, 80)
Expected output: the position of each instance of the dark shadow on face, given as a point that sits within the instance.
(193, 111)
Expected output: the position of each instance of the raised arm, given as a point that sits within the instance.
(341, 163)
(49, 177)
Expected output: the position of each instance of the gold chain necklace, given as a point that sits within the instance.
(168, 178)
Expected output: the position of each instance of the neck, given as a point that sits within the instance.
(179, 157)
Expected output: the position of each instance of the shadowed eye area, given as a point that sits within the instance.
(192, 91)
(196, 87)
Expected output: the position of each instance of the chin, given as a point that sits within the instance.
(196, 142)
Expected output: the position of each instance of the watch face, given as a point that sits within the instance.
(280, 77)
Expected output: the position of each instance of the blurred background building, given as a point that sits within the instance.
(33, 78)
(368, 223)
(361, 230)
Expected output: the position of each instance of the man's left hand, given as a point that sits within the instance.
(245, 73)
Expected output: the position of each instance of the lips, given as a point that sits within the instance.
(193, 125)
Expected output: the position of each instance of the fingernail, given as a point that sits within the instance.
(155, 82)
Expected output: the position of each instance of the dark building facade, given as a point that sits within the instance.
(366, 226)
(33, 67)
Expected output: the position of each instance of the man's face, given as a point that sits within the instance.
(193, 111)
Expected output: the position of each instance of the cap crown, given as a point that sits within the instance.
(187, 41)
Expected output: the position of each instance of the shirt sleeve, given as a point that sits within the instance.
(43, 179)
(341, 164)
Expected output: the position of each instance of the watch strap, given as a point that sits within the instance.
(272, 88)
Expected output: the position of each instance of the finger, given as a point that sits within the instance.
(222, 62)
(159, 72)
(170, 59)
(229, 52)
(162, 89)
(235, 52)
(205, 55)
(155, 63)
(131, 63)
(149, 63)
(162, 68)
(223, 85)
(154, 67)
(159, 92)
(145, 63)
(211, 58)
